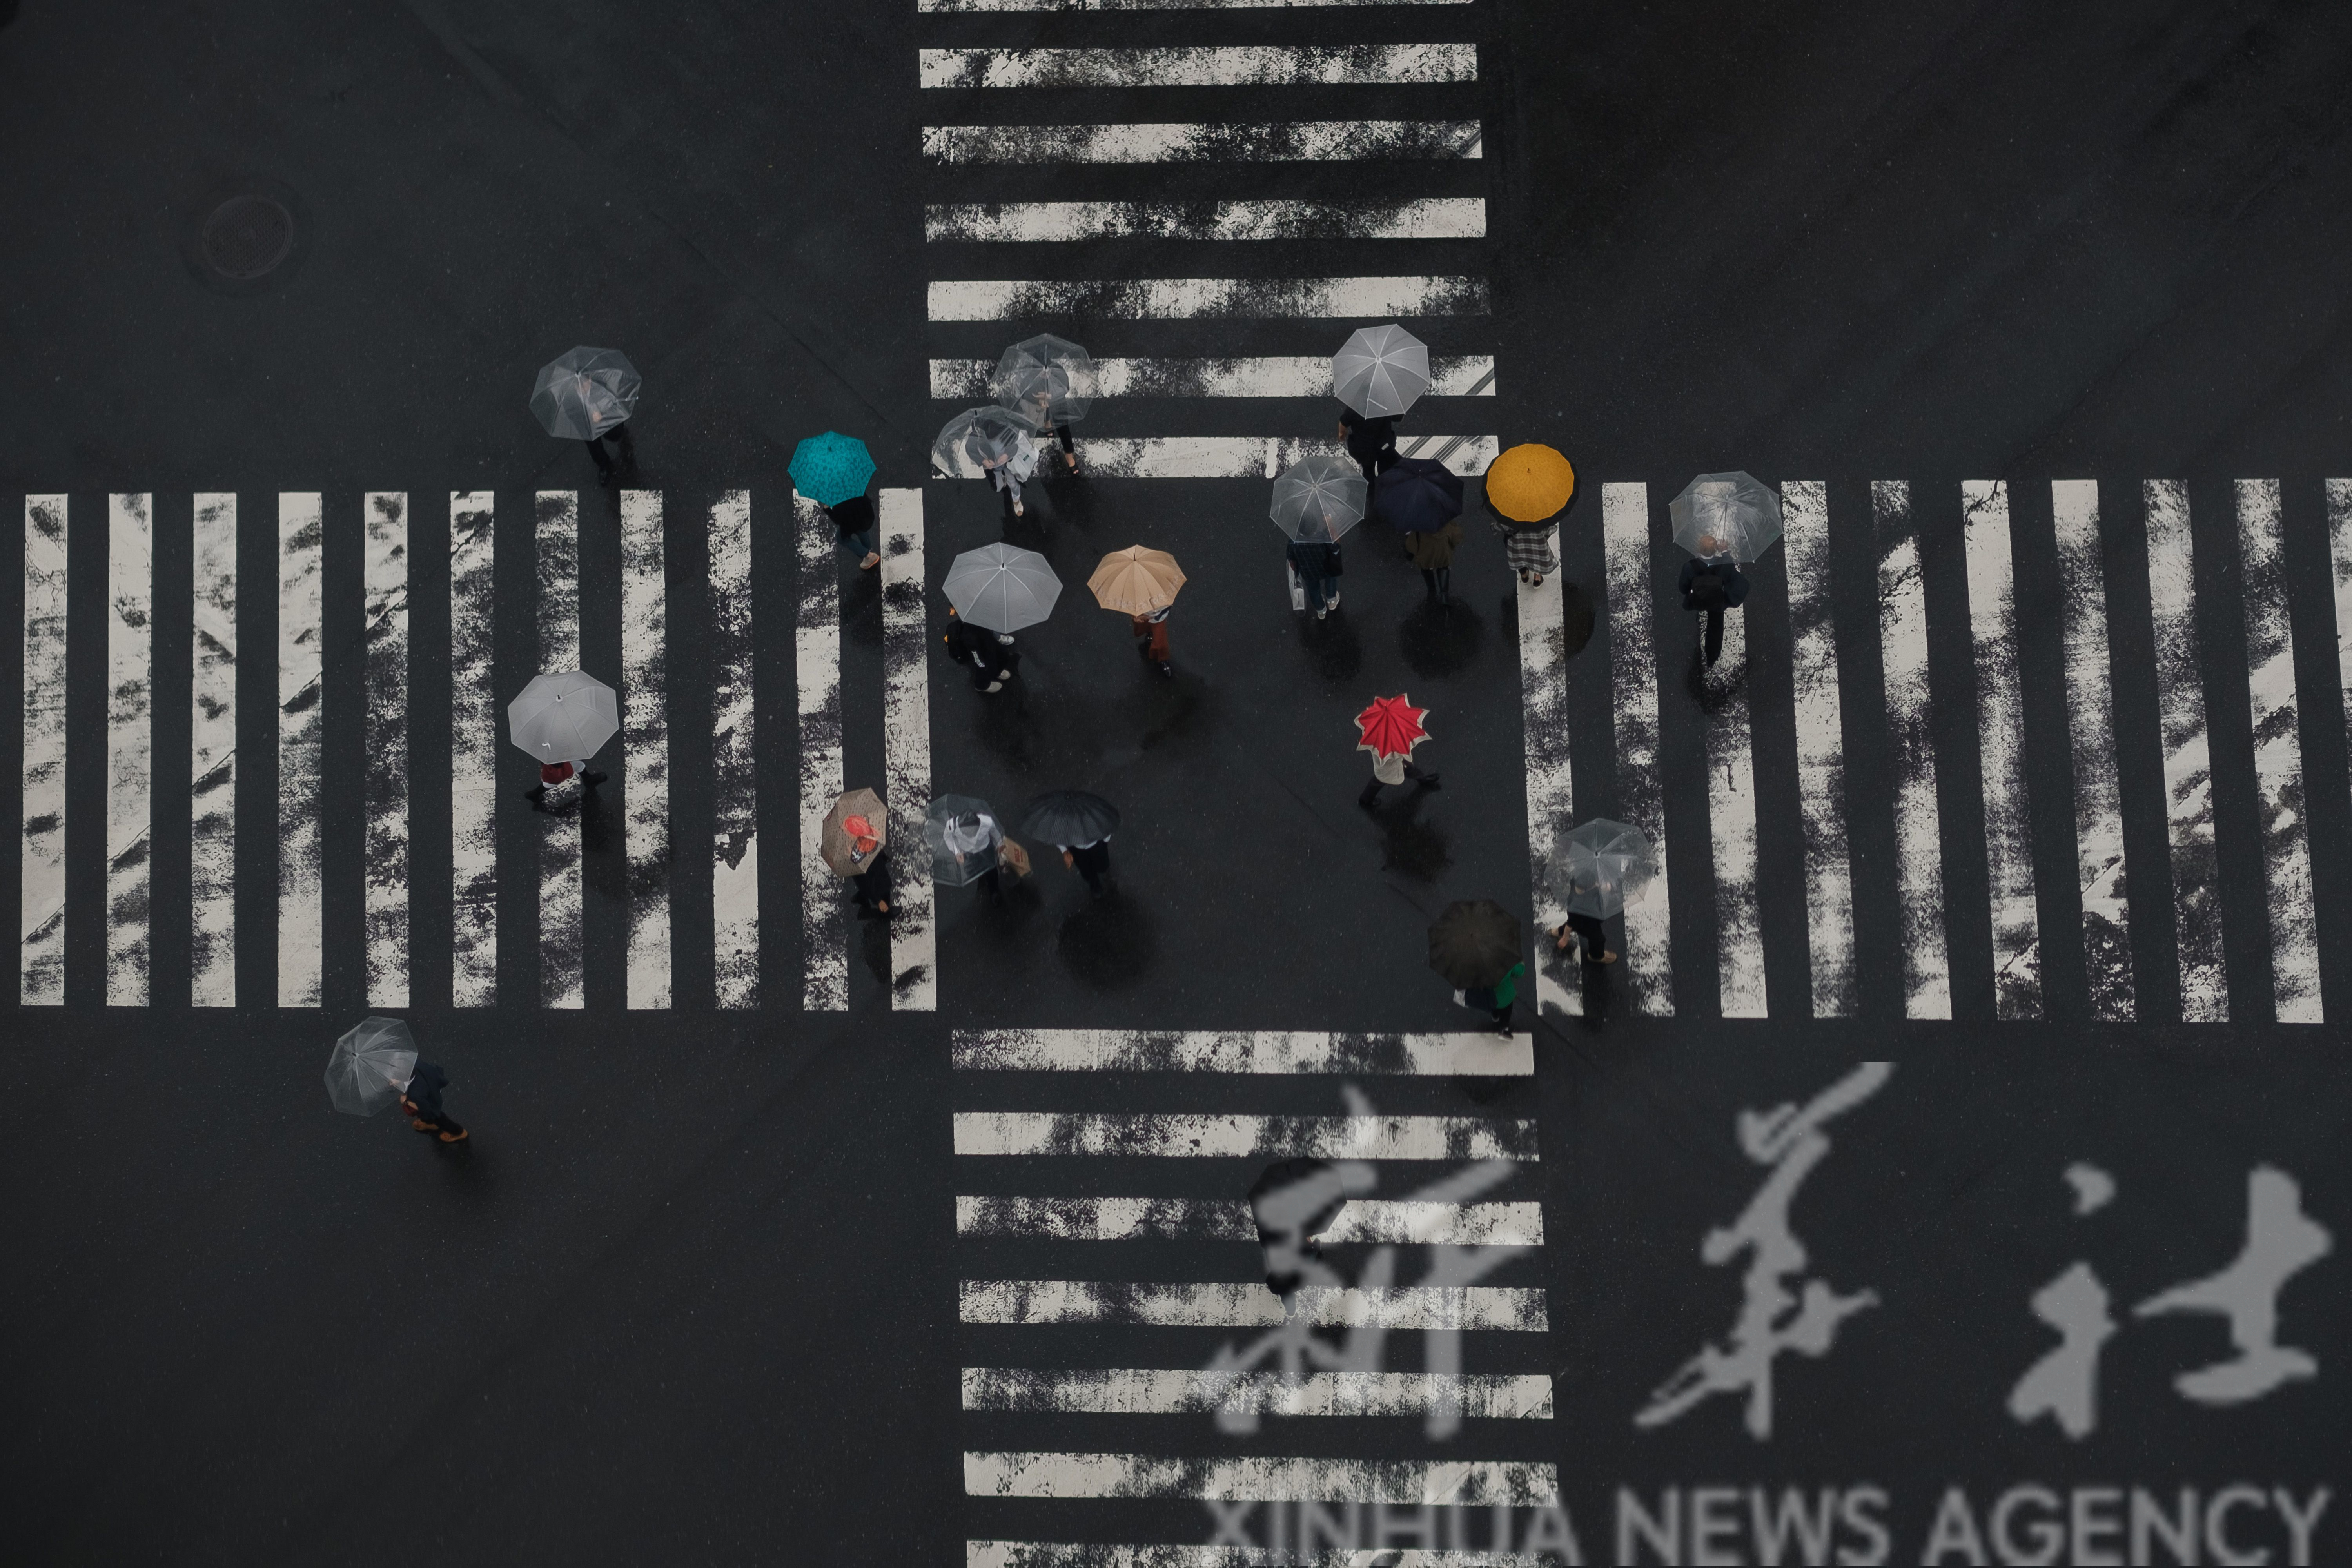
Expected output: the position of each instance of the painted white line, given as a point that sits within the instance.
(1251, 457)
(212, 749)
(1030, 223)
(1209, 1219)
(2090, 720)
(1276, 142)
(2339, 537)
(1731, 818)
(1633, 682)
(301, 535)
(1474, 1482)
(1102, 1554)
(386, 627)
(2001, 749)
(907, 750)
(130, 745)
(735, 795)
(1245, 66)
(1174, 1391)
(1281, 376)
(1173, 299)
(1910, 733)
(561, 962)
(1038, 1302)
(41, 871)
(644, 743)
(816, 651)
(2187, 764)
(2278, 756)
(474, 740)
(1143, 1050)
(973, 5)
(1543, 706)
(1007, 1132)
(1821, 747)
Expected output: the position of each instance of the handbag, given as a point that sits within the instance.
(1297, 588)
(1013, 857)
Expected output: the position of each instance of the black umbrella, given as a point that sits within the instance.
(1418, 495)
(1473, 942)
(1070, 816)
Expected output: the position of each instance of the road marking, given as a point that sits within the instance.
(735, 800)
(1821, 747)
(1173, 299)
(2001, 750)
(907, 750)
(130, 745)
(301, 534)
(1276, 142)
(474, 741)
(1180, 1219)
(2278, 756)
(2188, 760)
(1543, 706)
(1007, 1132)
(41, 871)
(2090, 720)
(816, 649)
(1633, 679)
(644, 743)
(1731, 810)
(385, 629)
(212, 750)
(1174, 1391)
(2339, 538)
(1910, 732)
(563, 963)
(1402, 1308)
(1142, 1050)
(1030, 223)
(1242, 457)
(1467, 1481)
(1286, 375)
(1245, 65)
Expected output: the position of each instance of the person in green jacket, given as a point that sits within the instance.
(1496, 999)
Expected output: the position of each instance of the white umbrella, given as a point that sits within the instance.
(371, 1066)
(1603, 866)
(1002, 588)
(1317, 498)
(563, 717)
(1733, 515)
(1380, 371)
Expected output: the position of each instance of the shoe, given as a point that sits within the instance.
(424, 1126)
(1167, 669)
(594, 778)
(454, 1137)
(1431, 781)
(1320, 614)
(1334, 604)
(1608, 958)
(1020, 511)
(1369, 795)
(992, 687)
(873, 559)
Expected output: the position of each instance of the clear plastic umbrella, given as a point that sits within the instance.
(1733, 515)
(1002, 588)
(979, 439)
(370, 1065)
(563, 717)
(1603, 866)
(1317, 498)
(1046, 379)
(581, 395)
(961, 834)
(1380, 371)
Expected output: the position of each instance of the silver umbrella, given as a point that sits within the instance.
(371, 1066)
(1733, 515)
(962, 834)
(1380, 371)
(1603, 866)
(1002, 588)
(1317, 498)
(563, 717)
(979, 439)
(581, 395)
(1046, 380)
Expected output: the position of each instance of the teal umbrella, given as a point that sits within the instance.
(831, 468)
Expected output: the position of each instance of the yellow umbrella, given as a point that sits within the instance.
(1136, 581)
(1529, 484)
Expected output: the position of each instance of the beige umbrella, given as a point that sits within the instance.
(1136, 581)
(839, 843)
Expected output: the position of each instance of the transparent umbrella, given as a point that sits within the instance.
(1046, 380)
(979, 439)
(563, 717)
(584, 393)
(1002, 588)
(1380, 371)
(1317, 498)
(1719, 515)
(370, 1065)
(961, 834)
(1603, 866)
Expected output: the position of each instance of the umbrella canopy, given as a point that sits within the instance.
(1473, 942)
(1070, 816)
(1733, 515)
(1046, 381)
(1390, 727)
(1602, 865)
(962, 834)
(1136, 581)
(1002, 588)
(831, 468)
(370, 1065)
(1529, 486)
(1419, 495)
(581, 394)
(979, 439)
(1380, 371)
(856, 816)
(564, 716)
(1317, 498)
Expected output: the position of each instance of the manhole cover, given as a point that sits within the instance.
(247, 237)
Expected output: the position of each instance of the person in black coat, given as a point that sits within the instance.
(989, 658)
(1589, 935)
(1371, 442)
(1710, 586)
(855, 518)
(607, 475)
(422, 1100)
(1091, 861)
(1318, 567)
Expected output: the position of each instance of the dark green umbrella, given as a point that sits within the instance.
(1474, 944)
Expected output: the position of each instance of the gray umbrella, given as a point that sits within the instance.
(1317, 498)
(371, 1066)
(1046, 381)
(1002, 588)
(962, 834)
(1380, 371)
(1733, 515)
(563, 717)
(1603, 866)
(583, 394)
(980, 439)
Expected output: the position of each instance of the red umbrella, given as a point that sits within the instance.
(1390, 727)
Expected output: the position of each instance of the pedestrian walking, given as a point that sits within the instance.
(1152, 638)
(1710, 586)
(1530, 551)
(422, 1100)
(1090, 861)
(849, 842)
(375, 1064)
(588, 394)
(1497, 1000)
(1371, 441)
(970, 847)
(1599, 868)
(988, 657)
(1431, 550)
(1390, 729)
(1588, 935)
(1079, 826)
(608, 473)
(1010, 472)
(1529, 488)
(1318, 567)
(562, 785)
(855, 519)
(832, 471)
(561, 719)
(1475, 946)
(1142, 584)
(1049, 382)
(1377, 374)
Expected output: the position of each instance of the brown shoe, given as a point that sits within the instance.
(424, 1126)
(454, 1137)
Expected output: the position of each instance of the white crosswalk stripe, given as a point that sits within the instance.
(2090, 720)
(1168, 1391)
(1918, 823)
(1273, 141)
(1820, 748)
(1543, 706)
(1427, 217)
(1185, 299)
(1286, 375)
(2278, 756)
(2187, 758)
(563, 978)
(1483, 1054)
(385, 627)
(2001, 746)
(645, 745)
(474, 740)
(302, 703)
(907, 748)
(130, 744)
(1222, 66)
(1633, 679)
(1731, 797)
(211, 747)
(817, 652)
(735, 850)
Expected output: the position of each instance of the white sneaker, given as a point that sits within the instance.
(1320, 614)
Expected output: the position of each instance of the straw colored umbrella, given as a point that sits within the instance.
(1136, 581)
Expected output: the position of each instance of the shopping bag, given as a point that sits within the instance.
(1297, 588)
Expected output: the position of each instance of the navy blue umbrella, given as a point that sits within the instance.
(1418, 495)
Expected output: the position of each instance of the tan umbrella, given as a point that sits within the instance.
(838, 845)
(1136, 581)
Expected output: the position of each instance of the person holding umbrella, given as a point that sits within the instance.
(989, 443)
(1474, 947)
(375, 1064)
(1603, 866)
(1528, 489)
(967, 844)
(1142, 584)
(1078, 825)
(1722, 519)
(989, 658)
(850, 843)
(588, 394)
(1050, 382)
(1378, 374)
(561, 719)
(992, 591)
(1390, 729)
(832, 471)
(1424, 498)
(1316, 500)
